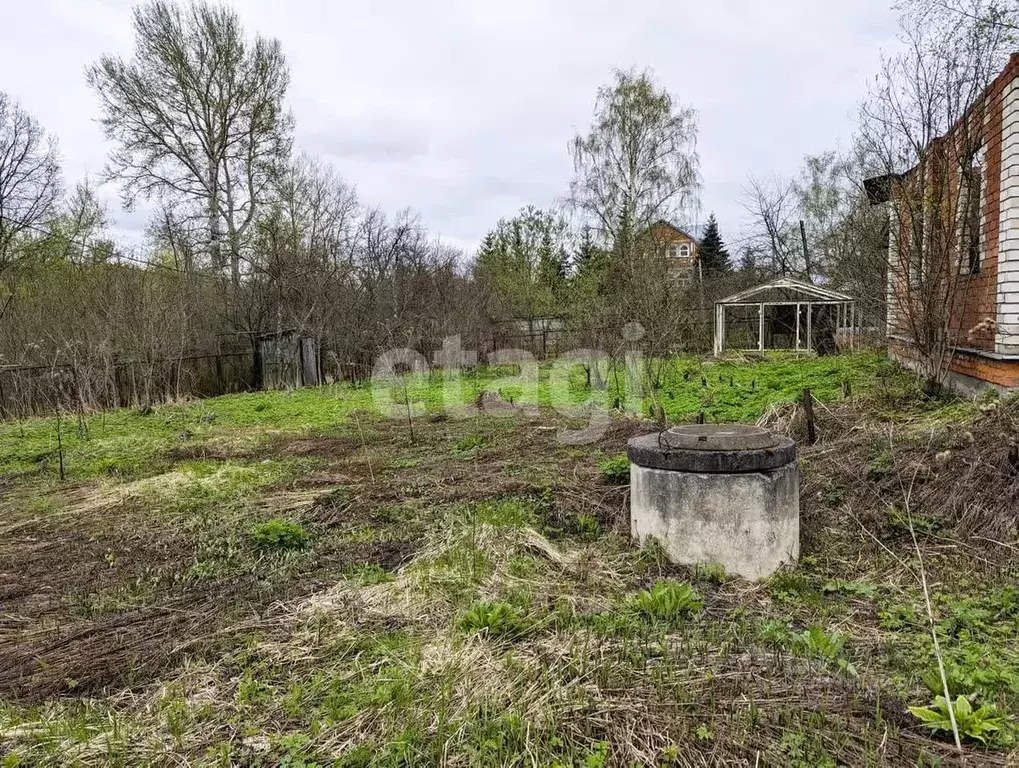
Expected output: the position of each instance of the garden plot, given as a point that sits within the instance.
(298, 581)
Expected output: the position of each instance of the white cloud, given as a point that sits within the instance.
(463, 110)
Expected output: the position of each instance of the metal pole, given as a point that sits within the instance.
(810, 330)
(853, 323)
(721, 339)
(718, 330)
(797, 326)
(847, 322)
(760, 331)
(840, 325)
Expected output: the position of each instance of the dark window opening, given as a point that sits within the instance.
(973, 220)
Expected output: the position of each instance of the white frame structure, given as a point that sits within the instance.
(813, 295)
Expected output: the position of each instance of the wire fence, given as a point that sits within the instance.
(29, 390)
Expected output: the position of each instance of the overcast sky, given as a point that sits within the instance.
(462, 111)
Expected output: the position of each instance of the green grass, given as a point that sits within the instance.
(739, 392)
(279, 535)
(125, 444)
(353, 597)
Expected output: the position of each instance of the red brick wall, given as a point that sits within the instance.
(976, 296)
(1003, 373)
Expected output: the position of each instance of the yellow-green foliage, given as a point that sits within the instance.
(667, 601)
(128, 444)
(615, 470)
(279, 535)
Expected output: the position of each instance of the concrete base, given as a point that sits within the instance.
(749, 523)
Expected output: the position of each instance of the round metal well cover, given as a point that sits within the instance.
(718, 437)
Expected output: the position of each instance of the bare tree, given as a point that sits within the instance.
(30, 186)
(315, 210)
(923, 127)
(773, 207)
(175, 239)
(198, 118)
(995, 13)
(847, 238)
(80, 227)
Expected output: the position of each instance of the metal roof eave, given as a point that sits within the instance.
(789, 283)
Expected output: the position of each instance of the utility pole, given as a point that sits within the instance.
(806, 252)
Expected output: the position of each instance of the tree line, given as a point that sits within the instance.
(249, 238)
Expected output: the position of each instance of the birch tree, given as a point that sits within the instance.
(638, 163)
(30, 186)
(198, 121)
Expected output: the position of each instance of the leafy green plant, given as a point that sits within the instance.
(791, 587)
(294, 755)
(713, 573)
(498, 619)
(667, 601)
(899, 616)
(902, 521)
(598, 757)
(588, 526)
(819, 644)
(852, 588)
(880, 465)
(279, 535)
(801, 750)
(775, 632)
(615, 470)
(467, 444)
(834, 497)
(976, 724)
(704, 733)
(1005, 602)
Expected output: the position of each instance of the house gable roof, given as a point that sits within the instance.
(674, 228)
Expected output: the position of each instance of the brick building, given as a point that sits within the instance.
(973, 172)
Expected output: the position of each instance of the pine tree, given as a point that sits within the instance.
(713, 254)
(588, 257)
